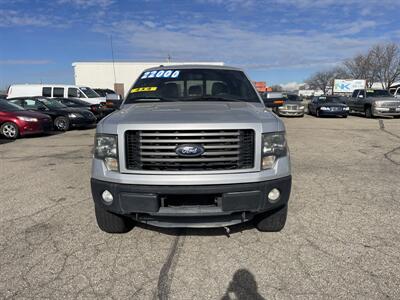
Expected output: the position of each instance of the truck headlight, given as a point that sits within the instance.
(106, 149)
(273, 146)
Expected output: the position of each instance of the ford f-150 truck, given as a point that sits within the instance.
(191, 146)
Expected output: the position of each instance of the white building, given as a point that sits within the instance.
(310, 93)
(118, 76)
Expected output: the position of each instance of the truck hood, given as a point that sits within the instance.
(394, 99)
(204, 112)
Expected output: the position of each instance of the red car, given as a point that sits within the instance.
(16, 121)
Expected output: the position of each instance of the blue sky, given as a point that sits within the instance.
(279, 41)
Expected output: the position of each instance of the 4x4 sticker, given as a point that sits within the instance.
(161, 74)
(144, 89)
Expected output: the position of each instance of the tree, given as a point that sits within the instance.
(276, 88)
(386, 59)
(322, 80)
(362, 66)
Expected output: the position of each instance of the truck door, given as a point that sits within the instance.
(352, 101)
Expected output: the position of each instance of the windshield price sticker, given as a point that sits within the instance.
(161, 74)
(144, 89)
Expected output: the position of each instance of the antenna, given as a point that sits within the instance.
(169, 58)
(113, 61)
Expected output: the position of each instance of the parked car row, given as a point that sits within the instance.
(370, 102)
(33, 115)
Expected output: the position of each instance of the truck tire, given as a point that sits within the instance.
(272, 221)
(368, 112)
(112, 223)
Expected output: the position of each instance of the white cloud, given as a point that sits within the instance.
(10, 17)
(231, 4)
(291, 86)
(234, 44)
(87, 3)
(352, 27)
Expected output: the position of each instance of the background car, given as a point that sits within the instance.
(99, 110)
(104, 92)
(328, 106)
(272, 99)
(54, 91)
(374, 103)
(63, 117)
(292, 106)
(16, 121)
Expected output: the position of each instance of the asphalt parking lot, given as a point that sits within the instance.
(341, 240)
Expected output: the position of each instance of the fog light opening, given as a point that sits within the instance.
(274, 195)
(107, 197)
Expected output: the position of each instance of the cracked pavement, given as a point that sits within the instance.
(341, 240)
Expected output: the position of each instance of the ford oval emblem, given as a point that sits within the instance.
(189, 150)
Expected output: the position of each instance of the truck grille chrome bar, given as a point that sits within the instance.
(223, 149)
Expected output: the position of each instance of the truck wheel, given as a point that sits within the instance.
(9, 130)
(368, 112)
(112, 223)
(61, 123)
(272, 221)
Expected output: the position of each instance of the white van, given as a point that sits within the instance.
(54, 91)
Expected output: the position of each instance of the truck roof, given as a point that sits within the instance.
(194, 66)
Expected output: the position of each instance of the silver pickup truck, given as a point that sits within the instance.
(374, 103)
(191, 146)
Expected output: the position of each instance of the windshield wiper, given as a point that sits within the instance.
(150, 99)
(213, 98)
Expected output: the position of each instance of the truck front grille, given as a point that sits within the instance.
(155, 149)
(390, 104)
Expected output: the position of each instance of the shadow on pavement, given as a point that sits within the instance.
(242, 286)
(5, 141)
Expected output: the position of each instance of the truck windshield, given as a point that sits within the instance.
(292, 97)
(7, 106)
(89, 92)
(378, 93)
(192, 85)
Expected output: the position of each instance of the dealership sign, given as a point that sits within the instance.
(348, 85)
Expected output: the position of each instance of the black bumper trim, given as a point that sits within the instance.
(131, 199)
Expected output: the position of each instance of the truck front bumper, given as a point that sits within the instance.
(290, 112)
(384, 111)
(192, 205)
